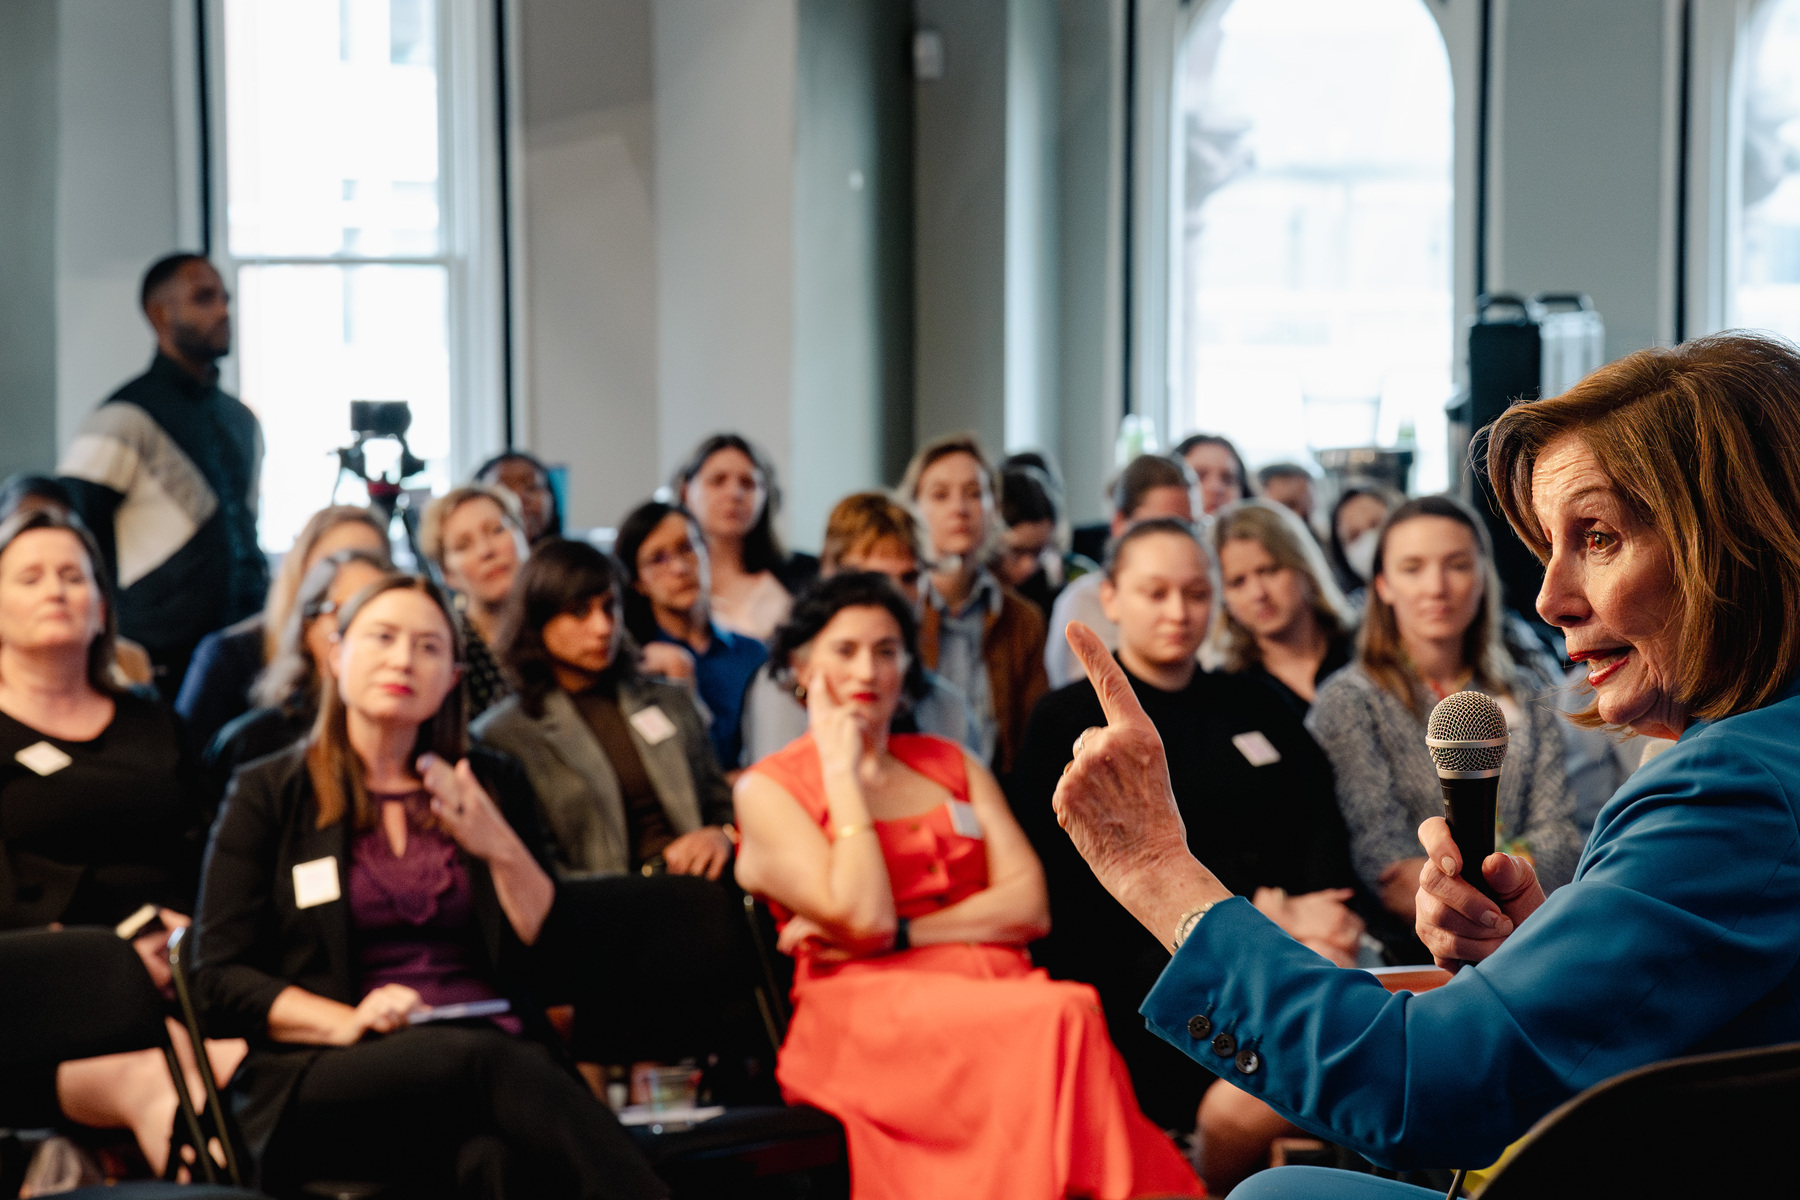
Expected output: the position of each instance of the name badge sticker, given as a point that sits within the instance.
(1256, 748)
(964, 820)
(43, 758)
(315, 882)
(653, 725)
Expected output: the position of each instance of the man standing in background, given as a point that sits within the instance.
(165, 473)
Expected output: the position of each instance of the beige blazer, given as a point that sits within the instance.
(578, 791)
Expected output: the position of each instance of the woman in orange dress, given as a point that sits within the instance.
(906, 894)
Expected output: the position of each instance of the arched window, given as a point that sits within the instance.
(1766, 294)
(1315, 305)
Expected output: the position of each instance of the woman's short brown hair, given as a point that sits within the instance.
(1701, 442)
(104, 648)
(864, 520)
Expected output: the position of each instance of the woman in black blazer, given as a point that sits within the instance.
(360, 882)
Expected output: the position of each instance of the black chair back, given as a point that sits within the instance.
(664, 968)
(1712, 1124)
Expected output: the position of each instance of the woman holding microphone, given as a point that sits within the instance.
(1663, 493)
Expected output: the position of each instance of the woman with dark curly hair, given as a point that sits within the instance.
(907, 894)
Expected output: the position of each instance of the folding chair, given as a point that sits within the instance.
(82, 993)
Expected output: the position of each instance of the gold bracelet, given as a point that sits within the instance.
(849, 831)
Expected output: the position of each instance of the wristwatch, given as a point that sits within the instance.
(1185, 926)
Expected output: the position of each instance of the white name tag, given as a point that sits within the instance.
(315, 882)
(964, 820)
(1256, 748)
(43, 758)
(653, 725)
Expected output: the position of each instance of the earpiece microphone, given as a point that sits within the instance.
(1467, 738)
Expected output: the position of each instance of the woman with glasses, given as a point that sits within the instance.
(667, 609)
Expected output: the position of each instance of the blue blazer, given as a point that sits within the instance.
(1680, 934)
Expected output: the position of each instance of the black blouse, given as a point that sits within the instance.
(1257, 799)
(119, 825)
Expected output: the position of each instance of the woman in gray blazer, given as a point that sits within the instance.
(624, 772)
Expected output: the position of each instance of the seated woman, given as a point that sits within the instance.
(976, 632)
(1228, 737)
(907, 894)
(624, 774)
(476, 537)
(528, 479)
(101, 812)
(1149, 486)
(866, 531)
(1355, 525)
(1433, 628)
(1028, 558)
(216, 688)
(287, 692)
(666, 604)
(730, 488)
(1285, 623)
(1219, 470)
(373, 876)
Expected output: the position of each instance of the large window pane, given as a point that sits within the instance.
(332, 127)
(1768, 277)
(315, 338)
(1317, 200)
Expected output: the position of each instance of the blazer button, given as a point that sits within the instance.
(1199, 1028)
(1224, 1045)
(1249, 1062)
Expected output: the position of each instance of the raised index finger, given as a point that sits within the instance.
(1117, 700)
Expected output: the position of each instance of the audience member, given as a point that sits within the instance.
(866, 531)
(476, 537)
(663, 557)
(1226, 737)
(1356, 520)
(1150, 486)
(624, 773)
(1284, 622)
(976, 632)
(1433, 628)
(528, 479)
(730, 488)
(132, 667)
(372, 875)
(1029, 558)
(287, 692)
(1219, 468)
(101, 815)
(227, 661)
(165, 473)
(905, 888)
(1289, 485)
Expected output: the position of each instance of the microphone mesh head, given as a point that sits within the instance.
(1466, 717)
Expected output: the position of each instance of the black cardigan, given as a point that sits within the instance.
(252, 942)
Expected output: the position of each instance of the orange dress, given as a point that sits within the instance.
(960, 1070)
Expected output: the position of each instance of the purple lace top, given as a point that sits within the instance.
(414, 912)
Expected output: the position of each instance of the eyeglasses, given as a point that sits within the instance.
(662, 560)
(313, 609)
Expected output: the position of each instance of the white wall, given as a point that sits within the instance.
(28, 128)
(588, 236)
(116, 191)
(724, 195)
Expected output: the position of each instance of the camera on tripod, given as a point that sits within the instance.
(382, 420)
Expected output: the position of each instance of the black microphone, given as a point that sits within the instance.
(1467, 737)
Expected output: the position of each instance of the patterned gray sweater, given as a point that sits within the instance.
(1386, 786)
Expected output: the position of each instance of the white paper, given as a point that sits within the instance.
(653, 725)
(964, 820)
(315, 882)
(1256, 748)
(43, 758)
(642, 1114)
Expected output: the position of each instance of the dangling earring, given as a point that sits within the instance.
(800, 692)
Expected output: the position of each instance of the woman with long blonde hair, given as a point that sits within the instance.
(1433, 628)
(1284, 620)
